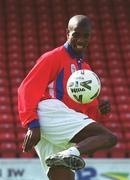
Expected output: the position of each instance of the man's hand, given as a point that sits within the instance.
(32, 137)
(104, 106)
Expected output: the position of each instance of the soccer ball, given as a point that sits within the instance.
(83, 86)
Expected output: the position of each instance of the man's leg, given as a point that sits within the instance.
(90, 139)
(94, 137)
(60, 173)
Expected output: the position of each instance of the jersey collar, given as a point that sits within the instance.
(71, 52)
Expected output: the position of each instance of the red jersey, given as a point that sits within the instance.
(48, 79)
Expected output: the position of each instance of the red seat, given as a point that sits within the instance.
(117, 81)
(14, 90)
(8, 147)
(17, 61)
(20, 135)
(127, 135)
(117, 73)
(123, 108)
(8, 150)
(128, 148)
(8, 154)
(102, 73)
(7, 135)
(126, 63)
(110, 39)
(114, 117)
(14, 48)
(4, 90)
(98, 64)
(126, 125)
(128, 72)
(14, 40)
(118, 154)
(124, 116)
(2, 63)
(4, 100)
(119, 151)
(3, 73)
(121, 90)
(97, 55)
(105, 81)
(16, 81)
(6, 117)
(122, 98)
(5, 108)
(5, 125)
(26, 155)
(16, 73)
(100, 154)
(114, 126)
(106, 90)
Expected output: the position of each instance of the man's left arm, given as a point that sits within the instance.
(98, 109)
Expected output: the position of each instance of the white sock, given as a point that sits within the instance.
(71, 151)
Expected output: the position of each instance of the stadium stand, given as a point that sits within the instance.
(28, 28)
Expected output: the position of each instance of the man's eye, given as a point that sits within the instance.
(76, 35)
(86, 35)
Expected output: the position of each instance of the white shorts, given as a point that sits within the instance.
(59, 124)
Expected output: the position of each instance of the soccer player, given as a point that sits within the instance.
(60, 129)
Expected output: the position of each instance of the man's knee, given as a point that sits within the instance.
(111, 139)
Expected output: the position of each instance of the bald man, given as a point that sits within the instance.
(60, 129)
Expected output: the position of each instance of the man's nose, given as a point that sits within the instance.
(80, 39)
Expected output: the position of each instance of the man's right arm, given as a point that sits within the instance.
(33, 88)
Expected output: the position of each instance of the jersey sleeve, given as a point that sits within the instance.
(92, 110)
(34, 86)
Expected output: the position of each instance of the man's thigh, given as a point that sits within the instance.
(60, 123)
(93, 129)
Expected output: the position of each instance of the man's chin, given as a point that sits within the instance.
(79, 51)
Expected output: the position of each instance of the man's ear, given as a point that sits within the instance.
(67, 33)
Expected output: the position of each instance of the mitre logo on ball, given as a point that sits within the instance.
(83, 86)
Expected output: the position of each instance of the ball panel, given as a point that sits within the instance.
(83, 86)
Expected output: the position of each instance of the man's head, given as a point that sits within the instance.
(78, 33)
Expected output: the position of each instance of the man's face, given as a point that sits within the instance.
(78, 38)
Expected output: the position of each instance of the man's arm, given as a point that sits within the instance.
(34, 88)
(32, 137)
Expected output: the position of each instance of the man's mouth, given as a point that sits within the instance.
(80, 46)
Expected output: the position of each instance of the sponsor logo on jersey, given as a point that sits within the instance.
(72, 68)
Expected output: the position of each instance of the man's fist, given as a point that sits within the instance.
(104, 106)
(32, 137)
